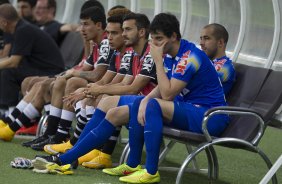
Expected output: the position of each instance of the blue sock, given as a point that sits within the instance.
(92, 140)
(136, 136)
(153, 135)
(97, 117)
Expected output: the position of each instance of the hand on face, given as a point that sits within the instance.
(157, 51)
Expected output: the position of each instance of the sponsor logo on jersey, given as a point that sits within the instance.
(219, 64)
(148, 63)
(125, 62)
(185, 61)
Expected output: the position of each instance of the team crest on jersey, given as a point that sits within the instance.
(148, 63)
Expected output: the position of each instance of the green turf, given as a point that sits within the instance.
(236, 166)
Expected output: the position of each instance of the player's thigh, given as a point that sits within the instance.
(167, 109)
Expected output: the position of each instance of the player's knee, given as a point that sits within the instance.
(152, 103)
(108, 102)
(75, 83)
(59, 84)
(152, 107)
(115, 115)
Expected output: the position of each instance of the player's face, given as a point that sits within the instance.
(208, 43)
(88, 29)
(114, 32)
(3, 24)
(24, 9)
(130, 33)
(159, 39)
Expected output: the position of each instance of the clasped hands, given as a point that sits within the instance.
(90, 91)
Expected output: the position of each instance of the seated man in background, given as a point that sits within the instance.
(26, 10)
(5, 47)
(33, 53)
(213, 41)
(44, 15)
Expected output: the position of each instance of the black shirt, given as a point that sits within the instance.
(1, 40)
(38, 49)
(53, 29)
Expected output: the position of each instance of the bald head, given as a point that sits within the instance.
(8, 12)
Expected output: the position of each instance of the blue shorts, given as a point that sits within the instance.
(189, 117)
(128, 99)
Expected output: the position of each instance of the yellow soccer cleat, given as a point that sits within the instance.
(122, 170)
(102, 161)
(2, 123)
(6, 134)
(57, 148)
(89, 156)
(141, 176)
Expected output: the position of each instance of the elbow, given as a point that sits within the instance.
(167, 97)
(133, 91)
(13, 65)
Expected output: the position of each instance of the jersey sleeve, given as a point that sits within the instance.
(125, 63)
(89, 60)
(148, 67)
(186, 67)
(112, 66)
(104, 53)
(8, 38)
(225, 72)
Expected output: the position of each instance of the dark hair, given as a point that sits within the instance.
(32, 3)
(219, 31)
(4, 1)
(95, 14)
(117, 15)
(8, 12)
(117, 6)
(52, 4)
(118, 11)
(167, 24)
(141, 20)
(92, 3)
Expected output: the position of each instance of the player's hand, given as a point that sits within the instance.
(157, 51)
(141, 111)
(74, 97)
(69, 73)
(92, 90)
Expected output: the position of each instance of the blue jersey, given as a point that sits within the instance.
(192, 66)
(226, 72)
